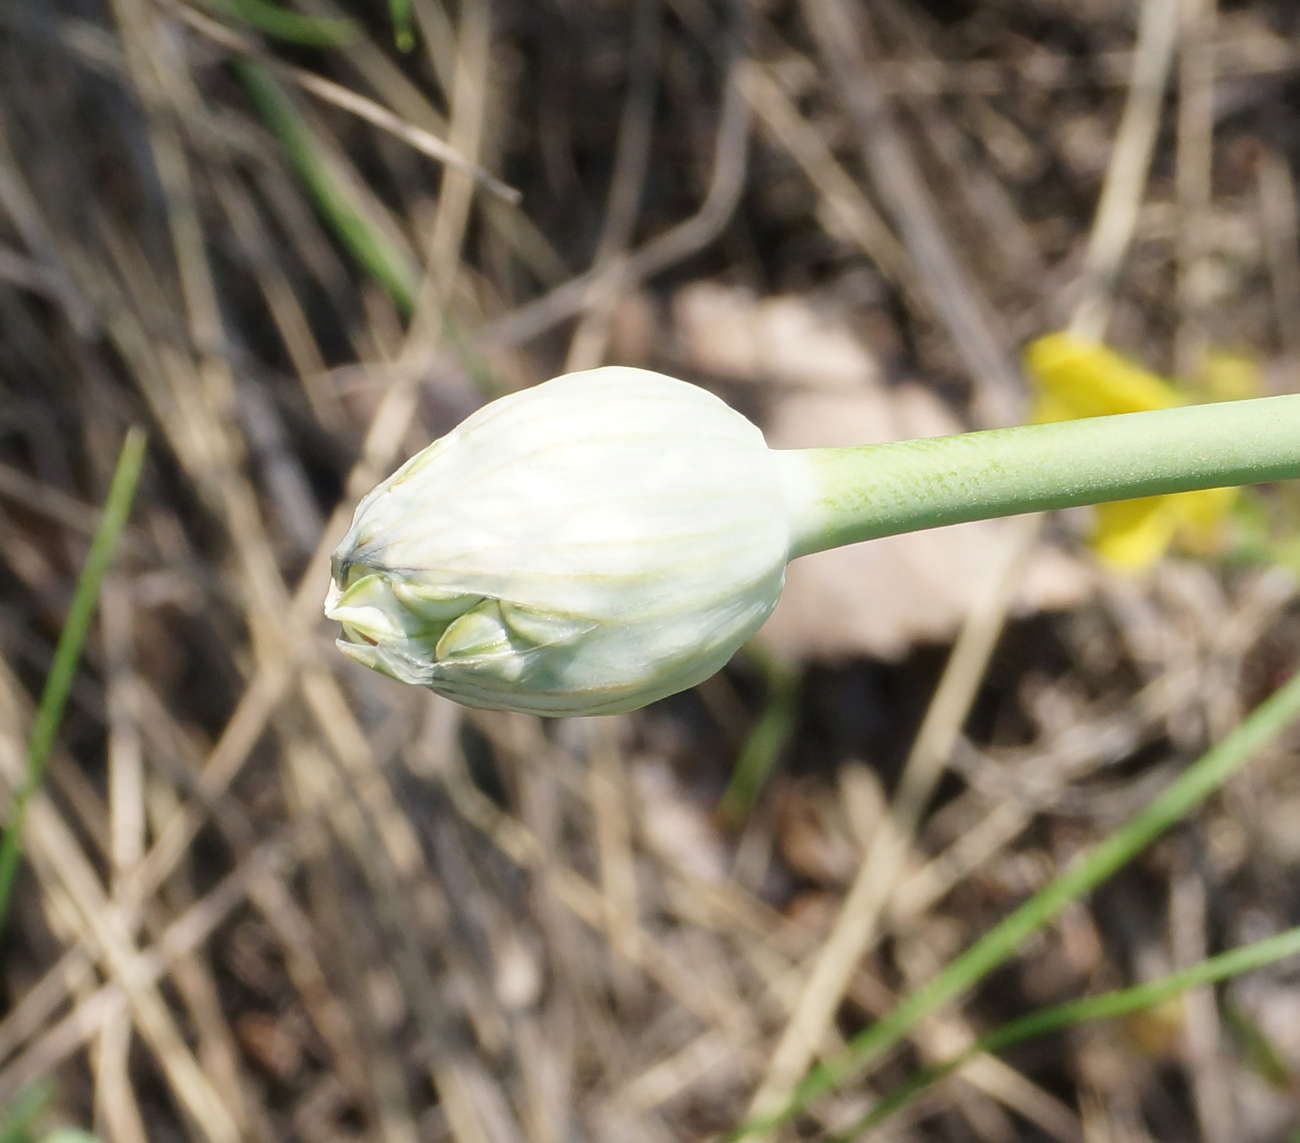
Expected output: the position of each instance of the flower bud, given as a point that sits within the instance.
(582, 547)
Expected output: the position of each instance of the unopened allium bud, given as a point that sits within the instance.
(582, 547)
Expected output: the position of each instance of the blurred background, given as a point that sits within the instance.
(271, 896)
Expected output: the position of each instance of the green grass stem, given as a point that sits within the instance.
(770, 736)
(1103, 1007)
(67, 653)
(334, 191)
(286, 24)
(18, 1119)
(403, 33)
(1201, 779)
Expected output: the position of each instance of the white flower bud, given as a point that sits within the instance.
(582, 547)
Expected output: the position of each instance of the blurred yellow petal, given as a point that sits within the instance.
(1204, 509)
(1048, 409)
(1131, 535)
(1201, 516)
(1076, 378)
(1232, 376)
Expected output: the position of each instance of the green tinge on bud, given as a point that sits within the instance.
(582, 547)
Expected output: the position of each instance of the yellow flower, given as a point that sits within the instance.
(1076, 378)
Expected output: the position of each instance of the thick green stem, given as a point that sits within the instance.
(844, 495)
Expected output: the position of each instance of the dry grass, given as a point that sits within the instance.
(273, 897)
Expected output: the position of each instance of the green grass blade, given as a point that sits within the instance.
(67, 653)
(334, 193)
(1261, 1056)
(403, 34)
(16, 1125)
(284, 24)
(1206, 775)
(1106, 1006)
(770, 736)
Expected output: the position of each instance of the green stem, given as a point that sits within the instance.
(844, 495)
(68, 652)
